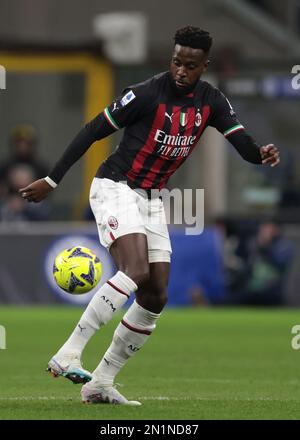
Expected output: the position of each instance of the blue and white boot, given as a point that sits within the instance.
(68, 366)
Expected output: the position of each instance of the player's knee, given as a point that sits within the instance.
(162, 297)
(159, 289)
(139, 273)
(156, 298)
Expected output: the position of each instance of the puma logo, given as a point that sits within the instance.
(169, 116)
(115, 107)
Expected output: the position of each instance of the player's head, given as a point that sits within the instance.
(190, 57)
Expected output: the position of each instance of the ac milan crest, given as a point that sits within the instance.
(113, 222)
(198, 119)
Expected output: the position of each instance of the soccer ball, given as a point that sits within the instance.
(77, 270)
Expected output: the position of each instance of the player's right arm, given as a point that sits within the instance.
(122, 112)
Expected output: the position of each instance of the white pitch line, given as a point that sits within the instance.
(36, 398)
(154, 398)
(216, 399)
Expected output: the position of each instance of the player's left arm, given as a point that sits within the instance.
(226, 122)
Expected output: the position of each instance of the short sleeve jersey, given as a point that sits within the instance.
(162, 128)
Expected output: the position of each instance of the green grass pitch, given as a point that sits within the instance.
(199, 364)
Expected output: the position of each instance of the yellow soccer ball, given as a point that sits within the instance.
(77, 270)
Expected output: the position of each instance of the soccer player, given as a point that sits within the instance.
(164, 118)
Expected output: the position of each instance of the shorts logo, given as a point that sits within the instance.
(198, 119)
(113, 222)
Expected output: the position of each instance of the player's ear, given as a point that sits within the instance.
(206, 64)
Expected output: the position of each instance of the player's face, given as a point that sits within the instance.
(187, 65)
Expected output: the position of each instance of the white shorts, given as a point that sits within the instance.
(119, 210)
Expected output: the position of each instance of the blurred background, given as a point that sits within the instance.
(66, 60)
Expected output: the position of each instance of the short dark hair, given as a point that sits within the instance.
(191, 36)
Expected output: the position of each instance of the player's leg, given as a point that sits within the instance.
(140, 320)
(131, 334)
(107, 197)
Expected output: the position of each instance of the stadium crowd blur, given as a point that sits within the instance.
(20, 168)
(256, 263)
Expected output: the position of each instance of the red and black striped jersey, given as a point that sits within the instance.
(162, 128)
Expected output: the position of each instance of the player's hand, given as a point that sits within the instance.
(36, 191)
(270, 155)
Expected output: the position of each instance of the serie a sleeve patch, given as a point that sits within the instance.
(130, 96)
